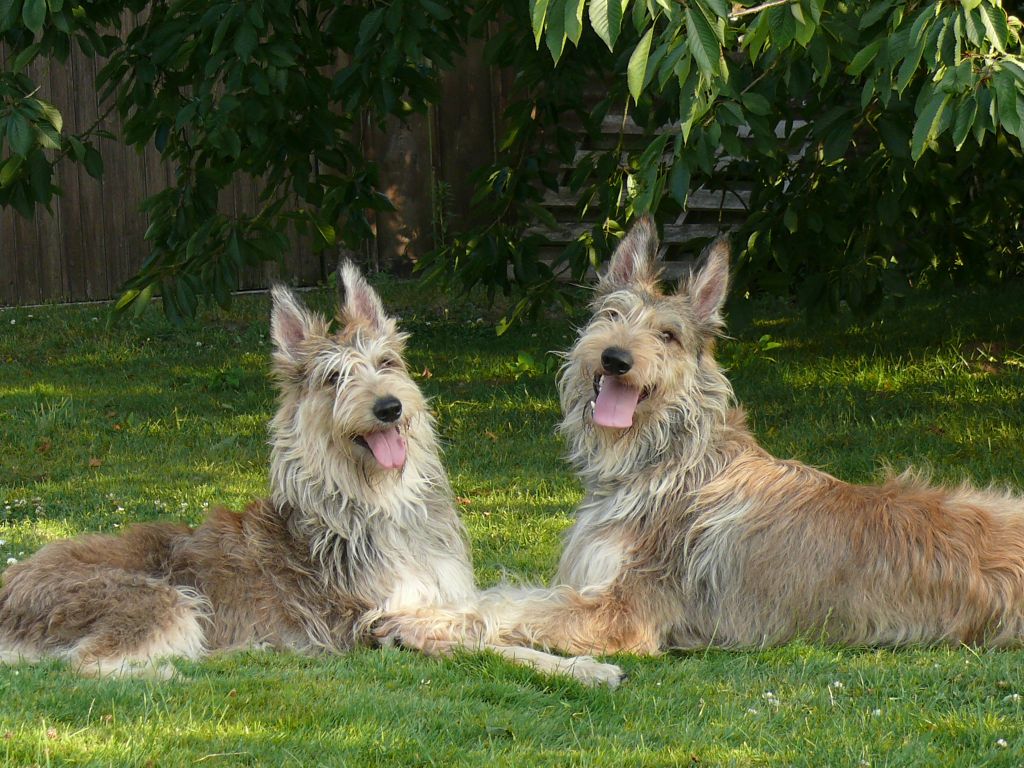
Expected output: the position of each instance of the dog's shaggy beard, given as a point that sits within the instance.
(687, 406)
(355, 515)
(340, 498)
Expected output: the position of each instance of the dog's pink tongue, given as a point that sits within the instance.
(615, 403)
(388, 448)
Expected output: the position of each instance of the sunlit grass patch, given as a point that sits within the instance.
(100, 428)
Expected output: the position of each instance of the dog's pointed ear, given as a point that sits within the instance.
(633, 259)
(358, 303)
(291, 324)
(708, 285)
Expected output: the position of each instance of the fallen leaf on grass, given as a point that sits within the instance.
(491, 435)
(94, 462)
(44, 445)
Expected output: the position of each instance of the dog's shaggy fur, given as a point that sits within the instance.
(360, 520)
(691, 535)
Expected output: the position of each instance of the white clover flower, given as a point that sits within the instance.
(12, 560)
(1002, 743)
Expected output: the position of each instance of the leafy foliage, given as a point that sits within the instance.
(879, 137)
(268, 89)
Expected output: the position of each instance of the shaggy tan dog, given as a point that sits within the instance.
(690, 534)
(360, 520)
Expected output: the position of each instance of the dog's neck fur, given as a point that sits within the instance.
(338, 508)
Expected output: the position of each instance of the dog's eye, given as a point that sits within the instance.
(613, 314)
(387, 363)
(669, 336)
(332, 379)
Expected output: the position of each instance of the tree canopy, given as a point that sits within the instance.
(882, 139)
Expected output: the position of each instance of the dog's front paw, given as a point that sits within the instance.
(592, 672)
(401, 630)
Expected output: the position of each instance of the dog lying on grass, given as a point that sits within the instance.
(360, 519)
(691, 535)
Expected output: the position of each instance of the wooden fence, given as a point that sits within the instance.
(93, 239)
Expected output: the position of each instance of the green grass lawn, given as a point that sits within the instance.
(101, 428)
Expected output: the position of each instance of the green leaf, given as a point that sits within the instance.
(637, 68)
(606, 19)
(864, 57)
(77, 148)
(874, 13)
(126, 298)
(895, 136)
(972, 26)
(245, 41)
(556, 29)
(538, 13)
(223, 26)
(927, 124)
(186, 297)
(20, 134)
(47, 137)
(679, 182)
(910, 64)
(720, 7)
(836, 141)
(1007, 96)
(756, 103)
(9, 170)
(93, 162)
(996, 29)
(33, 13)
(25, 57)
(703, 42)
(790, 219)
(371, 22)
(970, 5)
(715, 22)
(141, 300)
(10, 12)
(53, 116)
(574, 20)
(966, 110)
(1015, 67)
(804, 31)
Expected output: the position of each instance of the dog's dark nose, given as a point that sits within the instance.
(616, 361)
(387, 409)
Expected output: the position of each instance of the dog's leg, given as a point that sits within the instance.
(560, 618)
(585, 669)
(138, 640)
(102, 620)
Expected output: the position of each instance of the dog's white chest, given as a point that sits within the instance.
(593, 560)
(446, 581)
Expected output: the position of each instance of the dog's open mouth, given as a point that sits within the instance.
(387, 446)
(615, 401)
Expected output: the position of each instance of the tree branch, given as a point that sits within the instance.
(758, 8)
